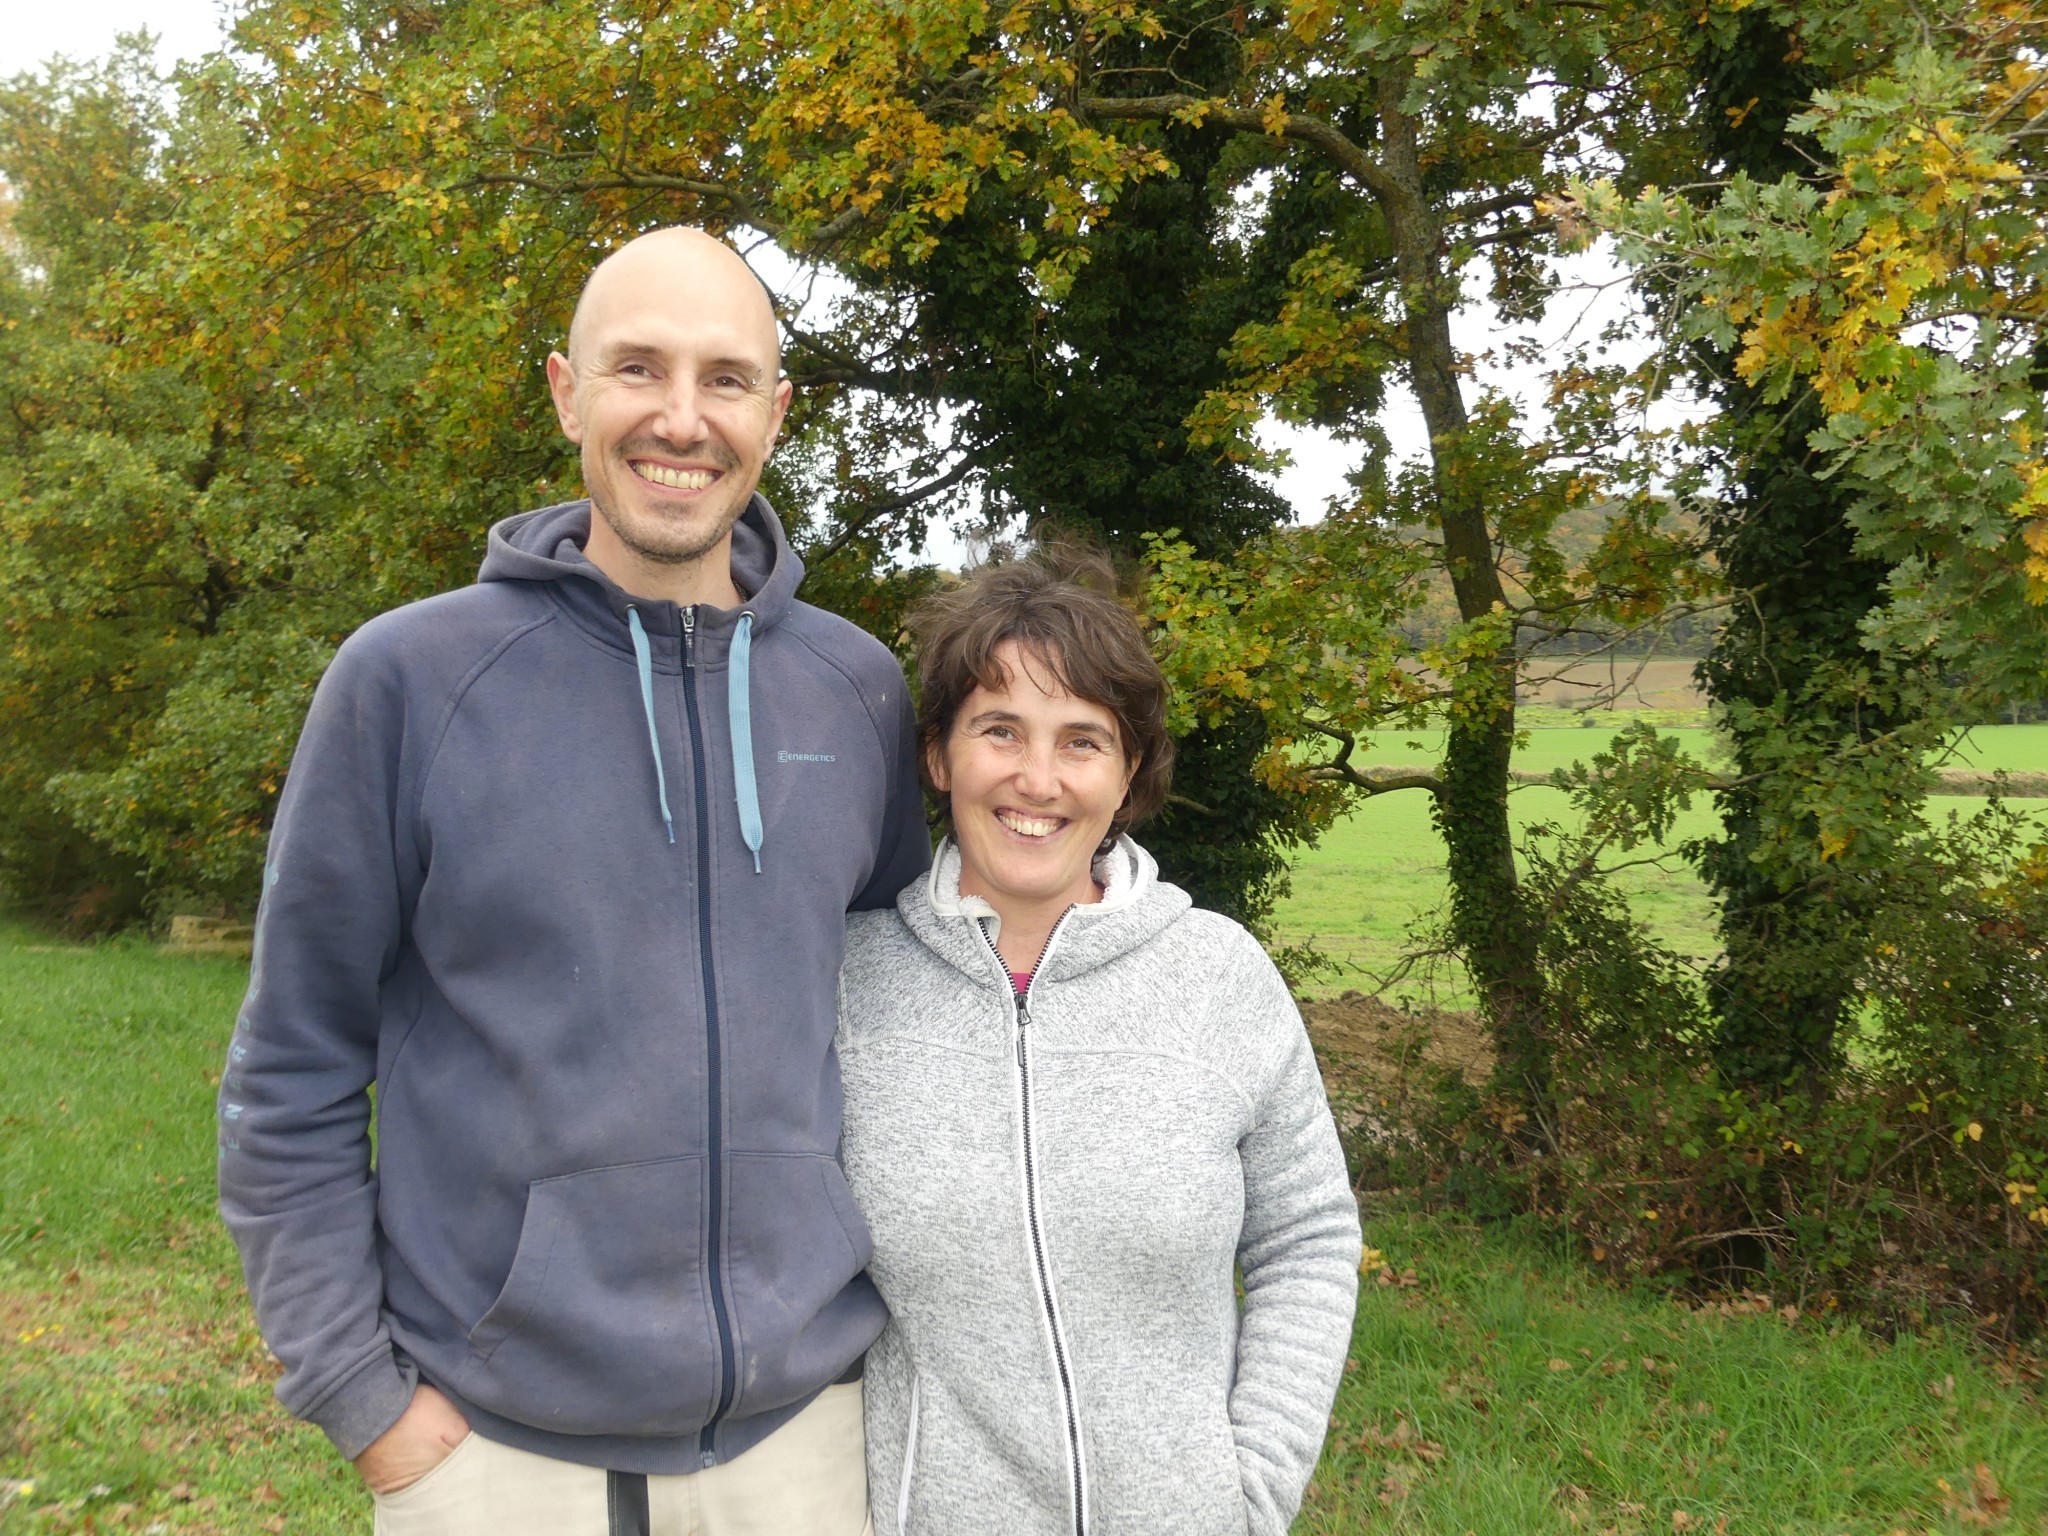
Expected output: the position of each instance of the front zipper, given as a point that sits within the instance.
(1035, 1220)
(715, 1110)
(909, 1460)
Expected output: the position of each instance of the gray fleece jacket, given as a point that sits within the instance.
(1059, 1192)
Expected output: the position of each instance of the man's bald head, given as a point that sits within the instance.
(689, 257)
(673, 391)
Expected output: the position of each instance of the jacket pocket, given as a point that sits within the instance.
(604, 1323)
(796, 1248)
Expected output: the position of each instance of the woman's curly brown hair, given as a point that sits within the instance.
(1056, 605)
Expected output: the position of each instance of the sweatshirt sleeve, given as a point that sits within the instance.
(906, 850)
(1298, 1255)
(296, 1187)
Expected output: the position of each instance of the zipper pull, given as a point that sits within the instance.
(1023, 1018)
(689, 616)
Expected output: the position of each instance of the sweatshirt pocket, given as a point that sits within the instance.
(796, 1247)
(604, 1323)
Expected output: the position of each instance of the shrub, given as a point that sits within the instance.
(1913, 1178)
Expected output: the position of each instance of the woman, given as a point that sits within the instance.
(1075, 1108)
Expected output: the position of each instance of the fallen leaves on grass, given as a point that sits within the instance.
(1404, 1440)
(1981, 1504)
(1748, 1304)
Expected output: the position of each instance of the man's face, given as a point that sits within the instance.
(672, 393)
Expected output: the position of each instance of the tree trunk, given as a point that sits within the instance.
(1489, 919)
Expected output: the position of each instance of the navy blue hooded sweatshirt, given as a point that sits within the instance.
(513, 883)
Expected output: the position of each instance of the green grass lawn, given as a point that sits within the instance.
(1498, 1390)
(1381, 869)
(135, 1393)
(1495, 1389)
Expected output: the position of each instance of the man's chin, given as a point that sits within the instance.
(662, 538)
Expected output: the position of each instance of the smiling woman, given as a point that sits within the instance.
(1077, 1110)
(1043, 735)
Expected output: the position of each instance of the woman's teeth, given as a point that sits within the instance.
(1028, 826)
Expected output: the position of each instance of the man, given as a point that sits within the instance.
(561, 867)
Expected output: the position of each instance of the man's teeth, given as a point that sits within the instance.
(1029, 826)
(675, 479)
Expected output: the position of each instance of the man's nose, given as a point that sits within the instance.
(682, 412)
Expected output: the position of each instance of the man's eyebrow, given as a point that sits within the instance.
(618, 351)
(746, 365)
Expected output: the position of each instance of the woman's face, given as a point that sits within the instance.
(1034, 776)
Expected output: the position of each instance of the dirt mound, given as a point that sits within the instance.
(1388, 1043)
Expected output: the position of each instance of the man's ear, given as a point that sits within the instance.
(784, 392)
(562, 389)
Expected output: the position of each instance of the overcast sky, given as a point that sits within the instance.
(84, 29)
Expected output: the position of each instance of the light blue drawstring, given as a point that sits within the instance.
(739, 719)
(646, 665)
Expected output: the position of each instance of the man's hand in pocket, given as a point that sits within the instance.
(425, 1435)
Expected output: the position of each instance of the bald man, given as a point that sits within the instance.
(561, 869)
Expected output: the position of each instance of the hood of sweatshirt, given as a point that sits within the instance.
(546, 545)
(1136, 906)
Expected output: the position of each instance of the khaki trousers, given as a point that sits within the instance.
(809, 1478)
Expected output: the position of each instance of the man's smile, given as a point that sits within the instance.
(672, 478)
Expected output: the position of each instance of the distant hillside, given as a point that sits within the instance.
(1576, 535)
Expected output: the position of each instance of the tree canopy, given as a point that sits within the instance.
(282, 330)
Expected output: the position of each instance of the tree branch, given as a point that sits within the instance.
(1299, 126)
(874, 512)
(1374, 781)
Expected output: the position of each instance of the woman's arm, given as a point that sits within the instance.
(1298, 1254)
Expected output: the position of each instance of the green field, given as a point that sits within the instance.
(1495, 1391)
(1381, 869)
(135, 1395)
(1495, 1386)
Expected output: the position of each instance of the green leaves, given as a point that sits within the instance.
(1906, 286)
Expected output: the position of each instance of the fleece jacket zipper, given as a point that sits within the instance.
(1034, 1219)
(714, 1266)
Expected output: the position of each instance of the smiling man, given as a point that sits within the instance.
(672, 389)
(561, 869)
